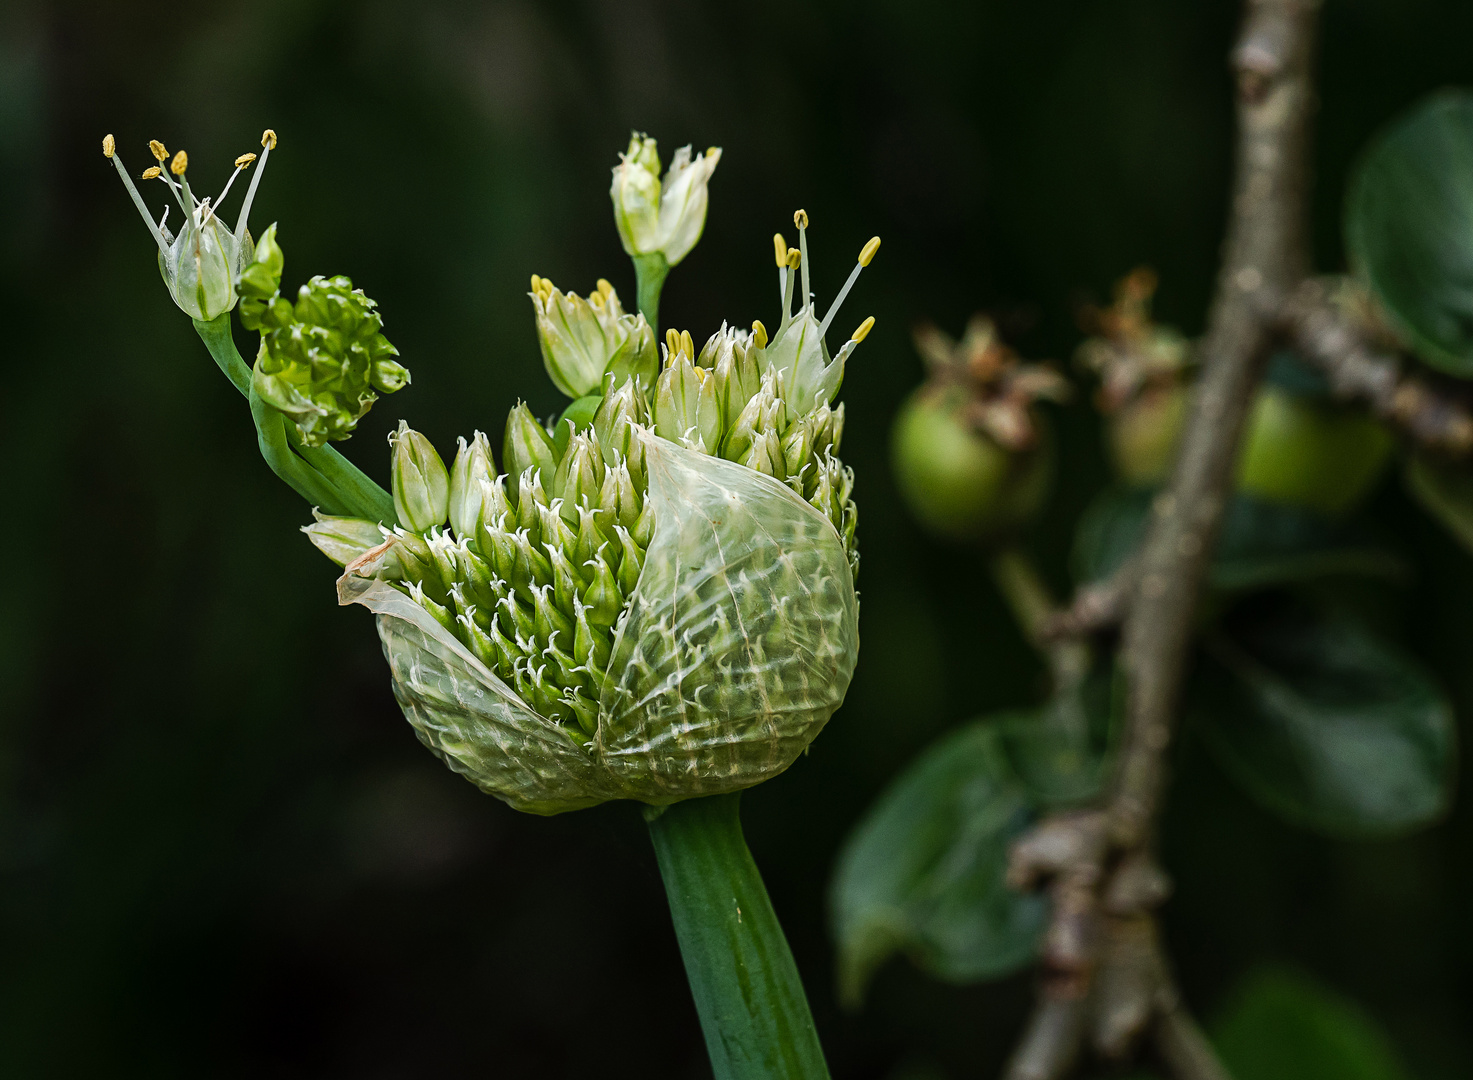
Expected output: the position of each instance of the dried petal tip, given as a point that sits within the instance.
(864, 329)
(158, 150)
(244, 160)
(109, 146)
(268, 139)
(179, 164)
(800, 218)
(869, 250)
(153, 172)
(779, 249)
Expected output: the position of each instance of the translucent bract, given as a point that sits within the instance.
(738, 644)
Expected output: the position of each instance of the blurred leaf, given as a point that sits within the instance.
(1409, 228)
(923, 871)
(1060, 751)
(1285, 1026)
(1263, 543)
(1324, 723)
(1445, 492)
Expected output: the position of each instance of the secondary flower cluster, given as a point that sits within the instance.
(322, 358)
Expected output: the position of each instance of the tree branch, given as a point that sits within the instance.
(1436, 417)
(1084, 853)
(1265, 259)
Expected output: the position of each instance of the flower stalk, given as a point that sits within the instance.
(750, 998)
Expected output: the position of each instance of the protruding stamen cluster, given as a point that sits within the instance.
(202, 262)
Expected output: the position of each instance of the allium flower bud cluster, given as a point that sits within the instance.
(323, 360)
(654, 598)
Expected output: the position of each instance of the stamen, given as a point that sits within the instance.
(109, 146)
(158, 150)
(759, 334)
(241, 164)
(800, 219)
(137, 200)
(672, 346)
(862, 331)
(268, 140)
(788, 290)
(779, 246)
(865, 256)
(179, 164)
(687, 344)
(153, 172)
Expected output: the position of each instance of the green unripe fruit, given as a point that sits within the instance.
(1302, 451)
(960, 483)
(1296, 448)
(1144, 433)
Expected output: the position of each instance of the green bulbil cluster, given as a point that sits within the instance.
(324, 360)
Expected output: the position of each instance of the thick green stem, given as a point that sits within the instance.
(319, 474)
(750, 999)
(650, 272)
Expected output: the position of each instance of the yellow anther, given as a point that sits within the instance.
(108, 146)
(864, 329)
(672, 344)
(604, 287)
(800, 218)
(759, 334)
(158, 150)
(179, 164)
(536, 284)
(153, 172)
(779, 250)
(244, 160)
(687, 344)
(794, 258)
(869, 250)
(712, 151)
(268, 139)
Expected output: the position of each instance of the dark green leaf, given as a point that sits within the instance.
(1409, 228)
(1323, 722)
(922, 873)
(1281, 1025)
(1263, 543)
(1445, 492)
(1060, 751)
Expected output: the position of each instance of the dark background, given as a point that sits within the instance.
(222, 851)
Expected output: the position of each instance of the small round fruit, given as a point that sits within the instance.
(1302, 451)
(1144, 433)
(958, 482)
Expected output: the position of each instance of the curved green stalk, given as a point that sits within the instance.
(319, 474)
(753, 1010)
(650, 272)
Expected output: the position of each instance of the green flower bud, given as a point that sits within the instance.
(421, 484)
(732, 361)
(527, 447)
(473, 486)
(322, 360)
(582, 339)
(655, 217)
(201, 264)
(623, 407)
(686, 409)
(580, 475)
(343, 539)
